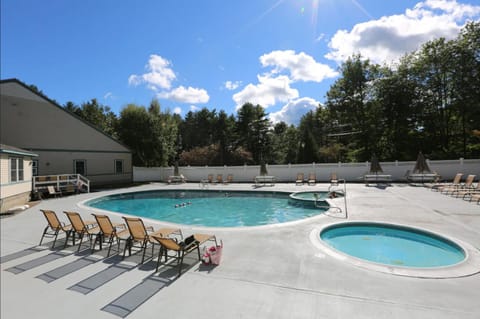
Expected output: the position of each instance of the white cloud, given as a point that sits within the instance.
(232, 85)
(389, 38)
(194, 108)
(292, 112)
(267, 92)
(186, 95)
(108, 95)
(177, 110)
(160, 75)
(301, 66)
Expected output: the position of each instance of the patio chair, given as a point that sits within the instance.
(299, 180)
(54, 227)
(53, 192)
(456, 185)
(475, 197)
(468, 192)
(333, 178)
(463, 188)
(229, 179)
(312, 179)
(143, 235)
(180, 249)
(82, 228)
(219, 178)
(439, 186)
(111, 231)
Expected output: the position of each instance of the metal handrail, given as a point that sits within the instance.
(344, 196)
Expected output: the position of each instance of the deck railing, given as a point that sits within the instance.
(65, 183)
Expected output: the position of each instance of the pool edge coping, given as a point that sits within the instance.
(468, 267)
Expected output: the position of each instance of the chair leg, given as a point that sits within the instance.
(180, 260)
(144, 248)
(128, 245)
(43, 235)
(110, 243)
(80, 244)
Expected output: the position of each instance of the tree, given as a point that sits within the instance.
(252, 127)
(151, 135)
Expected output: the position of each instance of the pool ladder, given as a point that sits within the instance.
(331, 188)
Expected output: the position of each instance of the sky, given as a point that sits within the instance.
(281, 54)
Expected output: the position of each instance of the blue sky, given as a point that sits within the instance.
(281, 54)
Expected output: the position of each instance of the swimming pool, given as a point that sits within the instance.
(393, 245)
(208, 207)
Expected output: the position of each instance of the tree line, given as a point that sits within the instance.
(428, 101)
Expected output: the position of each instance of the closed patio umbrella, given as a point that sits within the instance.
(263, 169)
(375, 167)
(176, 171)
(421, 166)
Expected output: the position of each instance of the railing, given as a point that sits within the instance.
(65, 183)
(331, 188)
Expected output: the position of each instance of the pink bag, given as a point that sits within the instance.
(213, 255)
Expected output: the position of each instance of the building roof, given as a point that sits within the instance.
(46, 98)
(7, 149)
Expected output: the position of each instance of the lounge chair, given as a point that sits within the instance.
(54, 227)
(299, 180)
(468, 192)
(312, 179)
(455, 184)
(439, 186)
(462, 188)
(143, 235)
(113, 232)
(229, 179)
(82, 228)
(53, 192)
(475, 197)
(219, 178)
(333, 179)
(180, 249)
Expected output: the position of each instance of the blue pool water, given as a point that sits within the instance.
(208, 208)
(393, 245)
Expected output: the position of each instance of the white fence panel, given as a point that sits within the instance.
(352, 172)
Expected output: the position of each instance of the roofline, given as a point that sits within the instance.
(43, 96)
(26, 153)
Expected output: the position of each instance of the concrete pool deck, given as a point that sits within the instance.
(266, 272)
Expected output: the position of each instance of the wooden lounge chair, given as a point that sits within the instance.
(299, 180)
(53, 192)
(143, 235)
(111, 231)
(180, 249)
(312, 179)
(54, 226)
(82, 228)
(468, 193)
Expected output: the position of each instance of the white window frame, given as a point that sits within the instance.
(17, 171)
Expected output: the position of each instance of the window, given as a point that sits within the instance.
(80, 167)
(34, 167)
(118, 166)
(16, 169)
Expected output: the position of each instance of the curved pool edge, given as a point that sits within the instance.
(467, 267)
(82, 205)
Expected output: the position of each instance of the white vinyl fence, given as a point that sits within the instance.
(351, 172)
